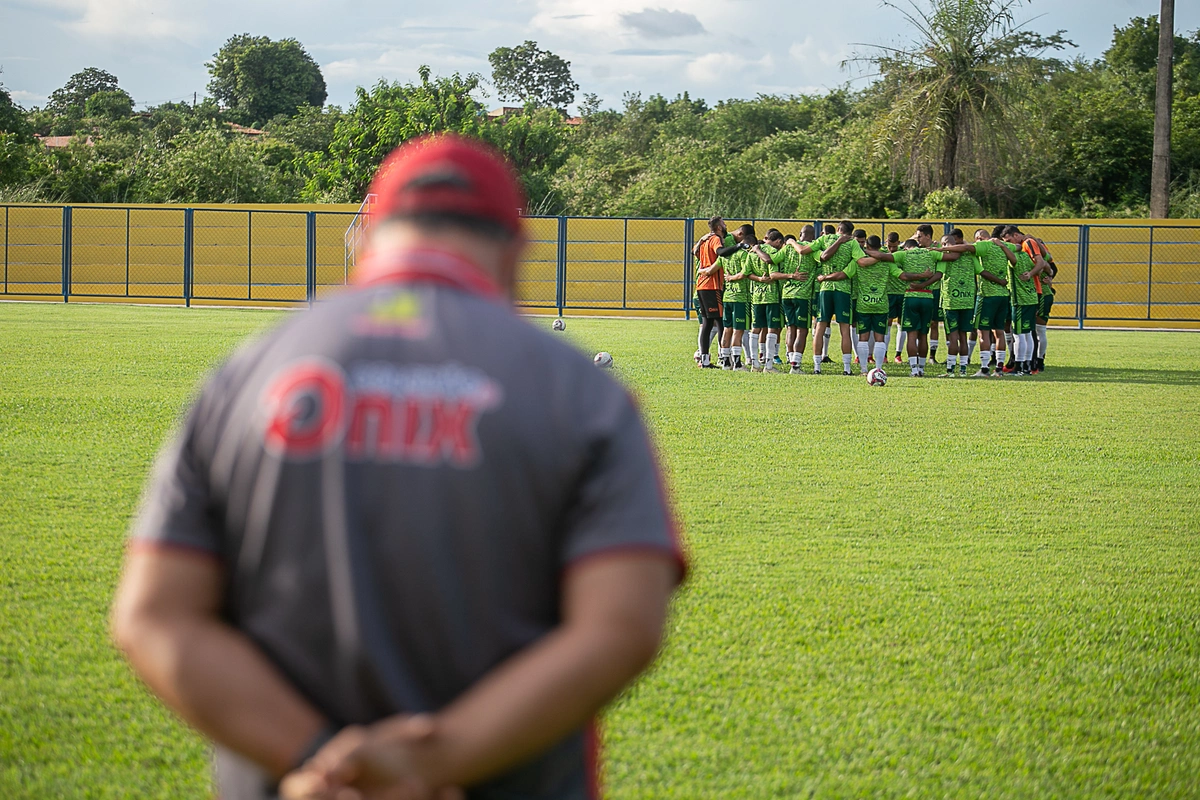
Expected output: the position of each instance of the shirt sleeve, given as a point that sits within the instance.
(177, 507)
(620, 503)
(898, 259)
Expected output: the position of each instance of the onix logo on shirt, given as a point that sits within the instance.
(421, 414)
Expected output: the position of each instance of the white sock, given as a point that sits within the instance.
(705, 359)
(971, 349)
(772, 346)
(746, 344)
(828, 333)
(735, 353)
(951, 363)
(847, 360)
(887, 341)
(1010, 339)
(903, 339)
(816, 362)
(933, 345)
(755, 353)
(881, 351)
(985, 359)
(921, 362)
(1041, 331)
(912, 363)
(864, 352)
(1028, 346)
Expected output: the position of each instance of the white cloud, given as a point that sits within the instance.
(132, 19)
(814, 53)
(729, 69)
(27, 99)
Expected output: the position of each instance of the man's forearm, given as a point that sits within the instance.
(220, 683)
(534, 700)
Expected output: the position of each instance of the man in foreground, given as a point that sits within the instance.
(387, 555)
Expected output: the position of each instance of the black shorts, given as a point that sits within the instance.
(710, 304)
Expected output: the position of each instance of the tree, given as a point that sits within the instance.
(948, 96)
(71, 99)
(257, 79)
(12, 116)
(109, 105)
(533, 76)
(212, 166)
(382, 119)
(1160, 179)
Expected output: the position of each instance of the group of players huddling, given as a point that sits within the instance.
(995, 292)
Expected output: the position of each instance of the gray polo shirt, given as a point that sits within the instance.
(395, 482)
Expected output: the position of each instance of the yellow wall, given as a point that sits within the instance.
(613, 265)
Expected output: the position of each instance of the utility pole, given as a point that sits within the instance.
(1160, 175)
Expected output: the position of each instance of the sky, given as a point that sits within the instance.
(712, 49)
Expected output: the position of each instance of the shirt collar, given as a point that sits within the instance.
(426, 265)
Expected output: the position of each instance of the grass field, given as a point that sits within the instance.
(932, 589)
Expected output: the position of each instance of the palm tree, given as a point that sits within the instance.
(951, 94)
(1160, 173)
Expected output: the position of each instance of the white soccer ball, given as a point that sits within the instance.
(603, 359)
(559, 325)
(697, 356)
(877, 377)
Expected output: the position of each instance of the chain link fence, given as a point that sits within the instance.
(1108, 272)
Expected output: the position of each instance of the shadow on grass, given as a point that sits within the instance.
(1166, 377)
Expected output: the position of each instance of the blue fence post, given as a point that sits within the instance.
(310, 256)
(560, 277)
(189, 222)
(1081, 279)
(66, 252)
(946, 228)
(689, 235)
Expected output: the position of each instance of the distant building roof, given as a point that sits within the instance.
(62, 141)
(506, 111)
(503, 113)
(242, 129)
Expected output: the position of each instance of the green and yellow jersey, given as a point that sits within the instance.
(872, 288)
(1022, 292)
(989, 256)
(917, 259)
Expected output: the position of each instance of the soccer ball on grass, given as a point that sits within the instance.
(877, 377)
(603, 359)
(559, 325)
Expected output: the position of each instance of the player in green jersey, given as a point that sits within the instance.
(924, 239)
(797, 274)
(1021, 280)
(916, 266)
(957, 303)
(895, 291)
(834, 297)
(736, 300)
(765, 297)
(870, 306)
(991, 262)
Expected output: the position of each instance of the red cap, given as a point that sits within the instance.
(451, 174)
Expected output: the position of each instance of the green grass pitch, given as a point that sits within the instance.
(931, 589)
